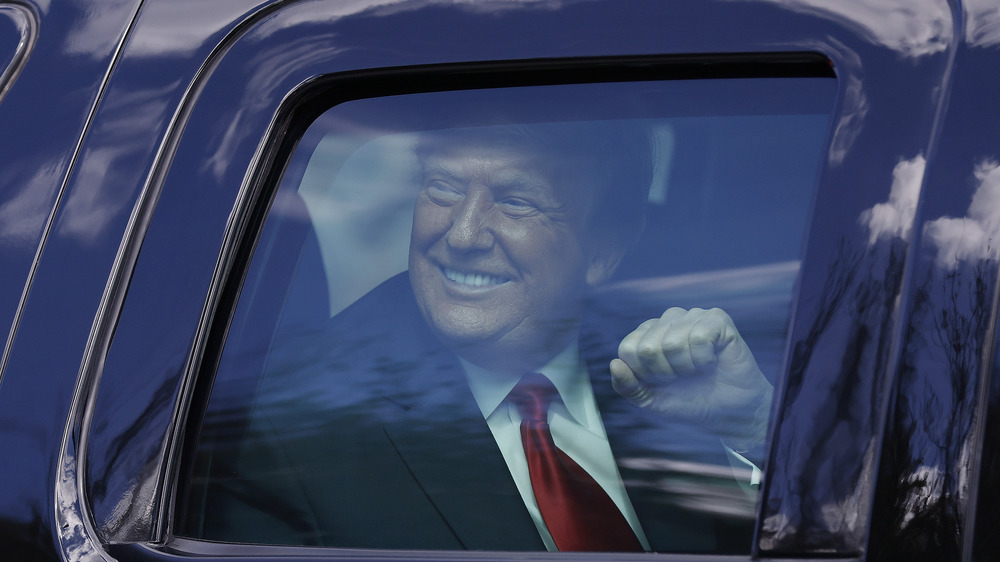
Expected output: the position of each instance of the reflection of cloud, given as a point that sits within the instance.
(392, 7)
(698, 486)
(101, 186)
(74, 536)
(895, 218)
(97, 32)
(722, 472)
(738, 280)
(852, 118)
(982, 22)
(912, 27)
(971, 237)
(476, 6)
(273, 68)
(361, 203)
(176, 31)
(87, 208)
(22, 215)
(854, 104)
(842, 516)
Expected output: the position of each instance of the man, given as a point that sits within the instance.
(403, 423)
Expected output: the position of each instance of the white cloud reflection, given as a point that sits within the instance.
(173, 29)
(88, 211)
(99, 30)
(895, 217)
(914, 28)
(391, 7)
(970, 238)
(363, 233)
(75, 538)
(982, 22)
(22, 216)
(852, 119)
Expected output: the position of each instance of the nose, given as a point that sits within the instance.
(470, 228)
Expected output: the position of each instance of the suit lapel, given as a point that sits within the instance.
(448, 447)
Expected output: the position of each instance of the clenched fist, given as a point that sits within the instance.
(693, 364)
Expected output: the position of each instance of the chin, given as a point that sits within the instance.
(463, 329)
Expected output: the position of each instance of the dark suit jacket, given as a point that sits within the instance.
(364, 434)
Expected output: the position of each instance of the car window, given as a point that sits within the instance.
(473, 316)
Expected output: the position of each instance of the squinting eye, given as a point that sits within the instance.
(443, 193)
(518, 206)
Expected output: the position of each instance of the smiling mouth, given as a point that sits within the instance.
(473, 279)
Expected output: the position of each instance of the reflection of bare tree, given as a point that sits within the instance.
(923, 485)
(831, 409)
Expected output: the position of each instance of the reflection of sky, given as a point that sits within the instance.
(22, 215)
(75, 536)
(177, 32)
(345, 8)
(894, 218)
(975, 236)
(181, 26)
(90, 34)
(852, 119)
(912, 27)
(362, 217)
(126, 127)
(964, 239)
(982, 22)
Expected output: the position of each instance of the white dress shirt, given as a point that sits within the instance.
(576, 427)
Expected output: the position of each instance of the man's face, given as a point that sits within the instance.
(497, 261)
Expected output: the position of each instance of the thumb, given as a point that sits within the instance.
(625, 383)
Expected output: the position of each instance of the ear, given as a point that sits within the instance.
(603, 264)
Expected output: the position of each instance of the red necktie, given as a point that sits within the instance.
(579, 514)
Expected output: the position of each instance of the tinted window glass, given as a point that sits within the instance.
(428, 255)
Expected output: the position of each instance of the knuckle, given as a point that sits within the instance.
(647, 350)
(721, 314)
(672, 312)
(628, 347)
(674, 343)
(701, 337)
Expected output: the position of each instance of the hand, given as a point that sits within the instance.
(693, 364)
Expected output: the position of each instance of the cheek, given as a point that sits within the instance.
(430, 221)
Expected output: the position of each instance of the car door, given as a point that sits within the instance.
(220, 110)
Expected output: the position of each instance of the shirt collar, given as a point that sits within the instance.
(566, 371)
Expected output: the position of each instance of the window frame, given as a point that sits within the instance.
(299, 110)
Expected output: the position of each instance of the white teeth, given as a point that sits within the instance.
(472, 279)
